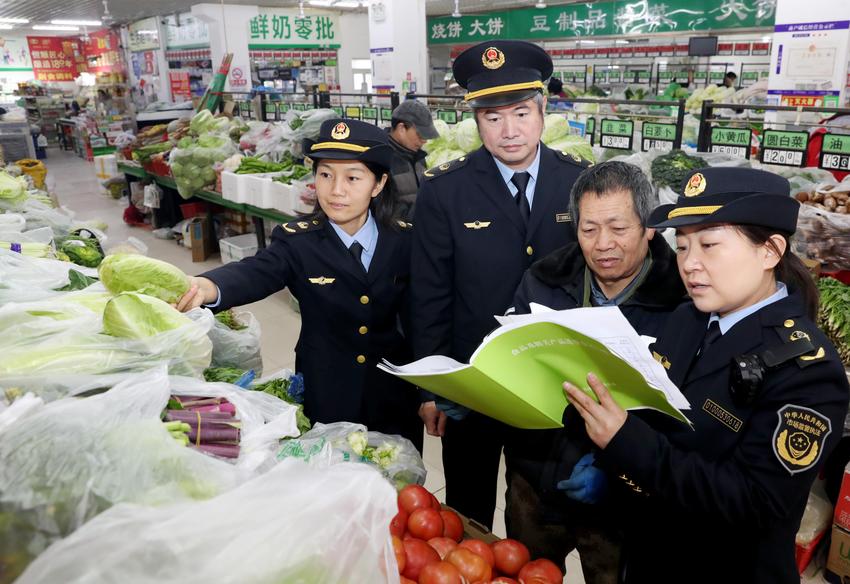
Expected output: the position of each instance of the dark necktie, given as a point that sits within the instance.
(711, 335)
(356, 251)
(520, 180)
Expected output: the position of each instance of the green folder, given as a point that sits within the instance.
(517, 376)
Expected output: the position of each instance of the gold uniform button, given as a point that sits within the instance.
(364, 300)
(788, 323)
(363, 330)
(361, 359)
(529, 250)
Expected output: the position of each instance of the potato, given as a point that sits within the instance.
(841, 209)
(802, 196)
(830, 203)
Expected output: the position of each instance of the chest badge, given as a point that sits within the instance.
(322, 280)
(562, 217)
(799, 437)
(722, 415)
(477, 224)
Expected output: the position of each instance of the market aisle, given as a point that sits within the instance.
(77, 189)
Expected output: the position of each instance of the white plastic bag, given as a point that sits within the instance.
(237, 348)
(295, 524)
(70, 460)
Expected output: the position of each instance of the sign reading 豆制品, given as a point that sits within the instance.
(274, 28)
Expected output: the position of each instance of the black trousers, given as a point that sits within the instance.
(472, 448)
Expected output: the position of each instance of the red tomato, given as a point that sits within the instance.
(413, 497)
(425, 524)
(542, 569)
(477, 546)
(452, 525)
(472, 566)
(400, 557)
(443, 545)
(398, 525)
(440, 573)
(418, 554)
(435, 503)
(511, 556)
(503, 580)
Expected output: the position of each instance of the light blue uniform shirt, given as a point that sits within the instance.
(366, 235)
(733, 318)
(508, 174)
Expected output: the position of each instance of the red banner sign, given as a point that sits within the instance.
(180, 88)
(56, 58)
(103, 53)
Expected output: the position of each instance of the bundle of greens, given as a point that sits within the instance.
(669, 170)
(298, 172)
(83, 251)
(208, 424)
(145, 153)
(256, 165)
(834, 315)
(228, 319)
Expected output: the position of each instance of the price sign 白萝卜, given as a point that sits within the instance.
(732, 141)
(616, 134)
(656, 136)
(784, 148)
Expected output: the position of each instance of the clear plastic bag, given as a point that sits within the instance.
(295, 524)
(824, 236)
(329, 444)
(70, 460)
(192, 166)
(237, 348)
(816, 518)
(27, 279)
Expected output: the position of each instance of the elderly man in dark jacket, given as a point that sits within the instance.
(411, 127)
(555, 494)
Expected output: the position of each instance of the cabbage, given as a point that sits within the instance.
(466, 135)
(137, 316)
(573, 145)
(138, 273)
(554, 127)
(441, 156)
(201, 121)
(13, 191)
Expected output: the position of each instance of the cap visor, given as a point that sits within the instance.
(428, 132)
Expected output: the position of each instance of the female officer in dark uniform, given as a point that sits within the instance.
(348, 266)
(722, 501)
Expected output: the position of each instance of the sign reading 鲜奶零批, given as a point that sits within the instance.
(277, 28)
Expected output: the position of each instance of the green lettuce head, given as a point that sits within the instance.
(138, 273)
(137, 316)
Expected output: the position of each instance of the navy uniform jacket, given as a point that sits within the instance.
(723, 502)
(350, 320)
(470, 248)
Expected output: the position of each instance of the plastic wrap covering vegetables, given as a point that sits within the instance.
(294, 524)
(13, 191)
(834, 315)
(329, 444)
(70, 460)
(57, 337)
(138, 273)
(25, 279)
(235, 337)
(193, 160)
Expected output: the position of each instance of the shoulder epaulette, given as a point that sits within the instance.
(792, 332)
(572, 158)
(304, 226)
(405, 225)
(446, 167)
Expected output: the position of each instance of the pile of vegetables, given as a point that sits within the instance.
(712, 92)
(670, 170)
(13, 191)
(429, 546)
(31, 249)
(83, 251)
(256, 165)
(834, 315)
(228, 319)
(145, 153)
(208, 424)
(297, 172)
(192, 162)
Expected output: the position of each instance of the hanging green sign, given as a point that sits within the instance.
(467, 115)
(835, 152)
(370, 113)
(386, 114)
(699, 75)
(590, 129)
(299, 107)
(732, 141)
(784, 148)
(606, 18)
(616, 134)
(655, 136)
(352, 112)
(338, 110)
(448, 116)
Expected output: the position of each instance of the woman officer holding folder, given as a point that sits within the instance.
(349, 268)
(722, 501)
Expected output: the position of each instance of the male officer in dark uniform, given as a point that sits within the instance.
(481, 221)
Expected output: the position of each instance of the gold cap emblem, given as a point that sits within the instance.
(340, 131)
(695, 186)
(493, 58)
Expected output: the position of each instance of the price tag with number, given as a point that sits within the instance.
(656, 136)
(590, 129)
(448, 116)
(616, 134)
(732, 141)
(784, 148)
(835, 152)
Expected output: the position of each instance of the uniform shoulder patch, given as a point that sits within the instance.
(799, 437)
(792, 332)
(404, 225)
(303, 226)
(446, 167)
(572, 158)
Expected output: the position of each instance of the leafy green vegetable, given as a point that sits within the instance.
(834, 315)
(145, 153)
(466, 135)
(555, 126)
(83, 251)
(223, 374)
(138, 273)
(571, 144)
(77, 281)
(13, 190)
(136, 316)
(228, 319)
(671, 169)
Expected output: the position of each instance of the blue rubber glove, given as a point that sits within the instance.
(455, 411)
(587, 484)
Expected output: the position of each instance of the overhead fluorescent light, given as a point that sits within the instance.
(14, 20)
(621, 42)
(765, 39)
(54, 27)
(323, 3)
(6, 26)
(584, 42)
(77, 22)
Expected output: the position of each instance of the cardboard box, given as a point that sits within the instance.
(201, 238)
(237, 222)
(842, 505)
(474, 530)
(838, 561)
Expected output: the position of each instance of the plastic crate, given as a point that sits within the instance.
(190, 210)
(233, 186)
(237, 247)
(279, 196)
(256, 185)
